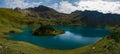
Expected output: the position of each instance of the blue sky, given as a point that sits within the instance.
(67, 6)
(43, 2)
(2, 4)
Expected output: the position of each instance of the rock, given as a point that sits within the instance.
(12, 31)
(93, 48)
(1, 47)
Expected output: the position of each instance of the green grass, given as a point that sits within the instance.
(11, 20)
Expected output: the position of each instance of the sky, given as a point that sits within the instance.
(67, 6)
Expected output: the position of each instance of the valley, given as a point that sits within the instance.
(11, 21)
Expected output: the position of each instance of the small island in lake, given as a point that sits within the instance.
(47, 30)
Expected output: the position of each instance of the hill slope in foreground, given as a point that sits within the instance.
(11, 21)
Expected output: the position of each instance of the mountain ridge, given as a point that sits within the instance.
(98, 18)
(41, 12)
(91, 18)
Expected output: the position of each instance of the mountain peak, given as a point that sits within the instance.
(41, 12)
(41, 8)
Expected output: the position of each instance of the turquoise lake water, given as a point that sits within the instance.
(73, 37)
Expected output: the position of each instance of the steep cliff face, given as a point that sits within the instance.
(97, 18)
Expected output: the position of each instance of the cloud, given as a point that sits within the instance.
(20, 3)
(68, 6)
(64, 7)
(105, 6)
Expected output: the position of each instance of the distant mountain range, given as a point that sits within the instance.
(49, 13)
(97, 18)
(92, 18)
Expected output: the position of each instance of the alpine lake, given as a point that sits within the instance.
(74, 37)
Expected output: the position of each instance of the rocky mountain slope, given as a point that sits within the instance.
(41, 12)
(91, 18)
(97, 18)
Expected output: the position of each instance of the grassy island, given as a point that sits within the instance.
(47, 30)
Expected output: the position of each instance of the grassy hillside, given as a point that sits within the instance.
(11, 21)
(8, 20)
(8, 17)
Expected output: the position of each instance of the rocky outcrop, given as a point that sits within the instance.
(47, 30)
(22, 11)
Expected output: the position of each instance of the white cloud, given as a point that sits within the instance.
(101, 6)
(55, 6)
(97, 5)
(66, 7)
(20, 3)
(105, 6)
